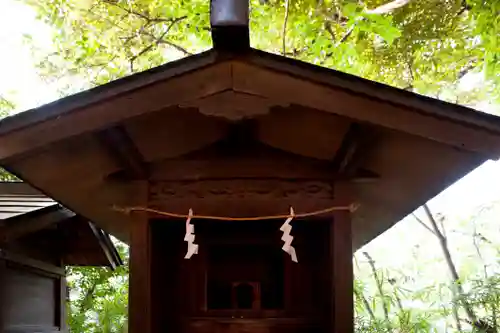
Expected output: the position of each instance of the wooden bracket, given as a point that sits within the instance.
(123, 150)
(355, 146)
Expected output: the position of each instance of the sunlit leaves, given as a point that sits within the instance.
(424, 46)
(99, 297)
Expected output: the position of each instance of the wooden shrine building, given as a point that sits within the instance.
(237, 132)
(38, 238)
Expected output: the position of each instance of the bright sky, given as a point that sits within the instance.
(17, 74)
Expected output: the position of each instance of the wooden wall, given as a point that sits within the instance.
(30, 299)
(32, 285)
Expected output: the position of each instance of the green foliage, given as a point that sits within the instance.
(6, 107)
(424, 46)
(99, 297)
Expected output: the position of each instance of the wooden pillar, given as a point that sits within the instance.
(62, 293)
(2, 293)
(140, 309)
(342, 269)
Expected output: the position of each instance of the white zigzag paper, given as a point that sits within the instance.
(189, 237)
(287, 238)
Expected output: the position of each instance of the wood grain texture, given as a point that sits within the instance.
(30, 299)
(342, 274)
(284, 87)
(152, 98)
(31, 263)
(2, 294)
(241, 197)
(140, 311)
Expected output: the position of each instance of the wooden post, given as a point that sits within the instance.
(140, 311)
(342, 319)
(342, 274)
(62, 293)
(2, 293)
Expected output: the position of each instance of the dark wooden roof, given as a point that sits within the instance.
(24, 211)
(349, 83)
(14, 203)
(413, 146)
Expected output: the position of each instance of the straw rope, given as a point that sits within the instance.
(128, 210)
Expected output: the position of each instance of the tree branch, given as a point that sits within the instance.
(175, 46)
(379, 283)
(469, 67)
(285, 22)
(166, 42)
(451, 265)
(155, 43)
(388, 7)
(148, 19)
(328, 28)
(347, 34)
(423, 224)
(392, 282)
(366, 304)
(465, 7)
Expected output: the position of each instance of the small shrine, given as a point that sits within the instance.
(242, 180)
(38, 239)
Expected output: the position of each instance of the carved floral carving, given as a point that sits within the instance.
(233, 105)
(239, 189)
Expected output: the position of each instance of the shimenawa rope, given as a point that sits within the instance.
(128, 210)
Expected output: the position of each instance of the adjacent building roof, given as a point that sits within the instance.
(24, 210)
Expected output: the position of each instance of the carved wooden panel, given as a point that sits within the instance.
(243, 197)
(230, 189)
(233, 105)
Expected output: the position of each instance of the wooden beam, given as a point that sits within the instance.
(311, 87)
(123, 150)
(31, 263)
(18, 188)
(148, 92)
(26, 224)
(229, 25)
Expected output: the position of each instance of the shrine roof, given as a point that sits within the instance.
(25, 211)
(314, 73)
(396, 148)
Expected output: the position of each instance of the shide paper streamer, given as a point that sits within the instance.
(189, 237)
(287, 238)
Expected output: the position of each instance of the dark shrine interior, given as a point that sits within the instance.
(240, 272)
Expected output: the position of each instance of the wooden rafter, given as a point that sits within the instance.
(29, 223)
(123, 150)
(349, 158)
(107, 246)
